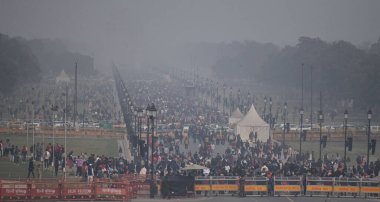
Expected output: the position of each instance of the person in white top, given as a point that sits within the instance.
(46, 159)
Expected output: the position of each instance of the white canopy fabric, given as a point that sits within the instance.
(235, 117)
(252, 122)
(62, 77)
(194, 167)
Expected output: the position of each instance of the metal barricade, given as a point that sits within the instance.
(223, 185)
(112, 190)
(14, 190)
(202, 185)
(346, 187)
(45, 189)
(256, 186)
(287, 186)
(319, 186)
(78, 191)
(370, 188)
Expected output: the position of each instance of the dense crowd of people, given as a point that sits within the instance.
(96, 102)
(208, 142)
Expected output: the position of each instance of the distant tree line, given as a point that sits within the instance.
(24, 61)
(340, 69)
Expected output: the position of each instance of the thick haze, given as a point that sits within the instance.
(140, 32)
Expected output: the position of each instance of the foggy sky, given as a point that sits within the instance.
(132, 32)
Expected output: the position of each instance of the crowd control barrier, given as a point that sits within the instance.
(50, 190)
(346, 187)
(317, 186)
(287, 186)
(202, 185)
(222, 185)
(45, 189)
(108, 190)
(216, 185)
(370, 188)
(14, 190)
(121, 189)
(77, 191)
(256, 186)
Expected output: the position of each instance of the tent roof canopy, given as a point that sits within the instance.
(252, 119)
(237, 114)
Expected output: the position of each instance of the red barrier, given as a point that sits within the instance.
(22, 190)
(78, 191)
(112, 191)
(45, 190)
(14, 190)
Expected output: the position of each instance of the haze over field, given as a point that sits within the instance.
(140, 32)
(259, 42)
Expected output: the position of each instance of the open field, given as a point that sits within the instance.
(98, 146)
(91, 145)
(334, 147)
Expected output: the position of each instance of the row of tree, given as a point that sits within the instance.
(24, 61)
(340, 69)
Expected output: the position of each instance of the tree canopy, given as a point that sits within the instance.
(18, 65)
(340, 69)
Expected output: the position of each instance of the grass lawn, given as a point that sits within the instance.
(97, 146)
(334, 147)
(92, 145)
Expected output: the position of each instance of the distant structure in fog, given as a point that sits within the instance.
(62, 77)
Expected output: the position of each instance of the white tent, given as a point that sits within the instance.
(252, 122)
(62, 77)
(235, 117)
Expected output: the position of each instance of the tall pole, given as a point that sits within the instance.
(284, 117)
(27, 127)
(302, 85)
(270, 113)
(320, 118)
(301, 132)
(345, 139)
(311, 96)
(147, 139)
(265, 106)
(75, 93)
(152, 165)
(224, 97)
(66, 150)
(34, 146)
(369, 116)
(53, 141)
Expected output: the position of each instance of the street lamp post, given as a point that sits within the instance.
(270, 113)
(139, 117)
(284, 117)
(147, 137)
(66, 150)
(265, 106)
(345, 138)
(301, 132)
(369, 116)
(152, 113)
(224, 96)
(320, 120)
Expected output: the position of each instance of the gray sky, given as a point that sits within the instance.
(123, 31)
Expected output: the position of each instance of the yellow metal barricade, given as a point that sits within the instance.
(256, 186)
(221, 185)
(287, 186)
(370, 188)
(346, 187)
(202, 185)
(319, 186)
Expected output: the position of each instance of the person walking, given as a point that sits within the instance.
(31, 167)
